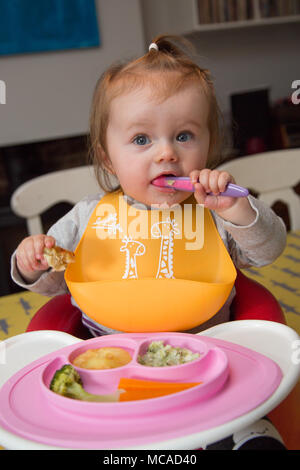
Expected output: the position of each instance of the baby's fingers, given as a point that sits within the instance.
(30, 253)
(49, 241)
(223, 180)
(199, 193)
(214, 181)
(26, 257)
(194, 176)
(23, 263)
(40, 243)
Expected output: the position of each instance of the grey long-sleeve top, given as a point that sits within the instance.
(256, 244)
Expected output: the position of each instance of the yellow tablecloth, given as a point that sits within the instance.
(16, 310)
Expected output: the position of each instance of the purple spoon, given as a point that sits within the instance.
(183, 183)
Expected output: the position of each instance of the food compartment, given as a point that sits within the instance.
(96, 381)
(107, 388)
(50, 369)
(103, 354)
(172, 358)
(148, 389)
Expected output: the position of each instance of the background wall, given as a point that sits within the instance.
(239, 59)
(252, 57)
(48, 95)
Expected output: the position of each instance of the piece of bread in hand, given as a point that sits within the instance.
(58, 258)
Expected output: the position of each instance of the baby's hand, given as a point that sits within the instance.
(236, 210)
(212, 181)
(30, 257)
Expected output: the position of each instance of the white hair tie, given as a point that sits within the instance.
(153, 46)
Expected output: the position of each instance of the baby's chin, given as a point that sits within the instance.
(164, 205)
(167, 200)
(158, 197)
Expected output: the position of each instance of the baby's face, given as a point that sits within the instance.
(147, 138)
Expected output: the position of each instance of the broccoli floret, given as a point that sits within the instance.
(67, 382)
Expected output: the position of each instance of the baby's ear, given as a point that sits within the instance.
(104, 159)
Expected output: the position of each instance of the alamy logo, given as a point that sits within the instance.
(189, 223)
(2, 92)
(296, 94)
(296, 353)
(2, 352)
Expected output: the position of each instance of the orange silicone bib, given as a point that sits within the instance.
(140, 270)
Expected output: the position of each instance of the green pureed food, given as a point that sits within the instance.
(160, 355)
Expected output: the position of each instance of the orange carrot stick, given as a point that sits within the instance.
(137, 389)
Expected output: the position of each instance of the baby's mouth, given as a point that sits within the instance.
(164, 175)
(163, 186)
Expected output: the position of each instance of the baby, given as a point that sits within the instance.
(154, 116)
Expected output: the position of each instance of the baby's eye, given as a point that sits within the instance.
(141, 140)
(184, 136)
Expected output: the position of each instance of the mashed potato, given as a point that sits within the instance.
(102, 358)
(159, 355)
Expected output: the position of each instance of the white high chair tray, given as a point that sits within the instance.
(274, 340)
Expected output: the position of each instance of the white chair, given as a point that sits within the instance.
(272, 175)
(37, 195)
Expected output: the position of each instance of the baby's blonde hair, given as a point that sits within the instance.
(124, 77)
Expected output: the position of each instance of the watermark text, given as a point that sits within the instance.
(2, 352)
(2, 92)
(296, 93)
(176, 222)
(296, 353)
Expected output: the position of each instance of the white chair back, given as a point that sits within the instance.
(272, 175)
(35, 196)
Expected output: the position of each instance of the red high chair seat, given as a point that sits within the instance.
(253, 301)
(59, 314)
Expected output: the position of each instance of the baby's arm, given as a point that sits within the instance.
(67, 233)
(257, 244)
(29, 256)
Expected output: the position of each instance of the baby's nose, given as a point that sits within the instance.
(167, 153)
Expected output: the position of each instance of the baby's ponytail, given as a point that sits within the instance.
(170, 44)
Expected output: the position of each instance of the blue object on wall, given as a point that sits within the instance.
(47, 25)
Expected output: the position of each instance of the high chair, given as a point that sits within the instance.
(252, 301)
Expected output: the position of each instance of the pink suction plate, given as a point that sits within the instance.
(234, 380)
